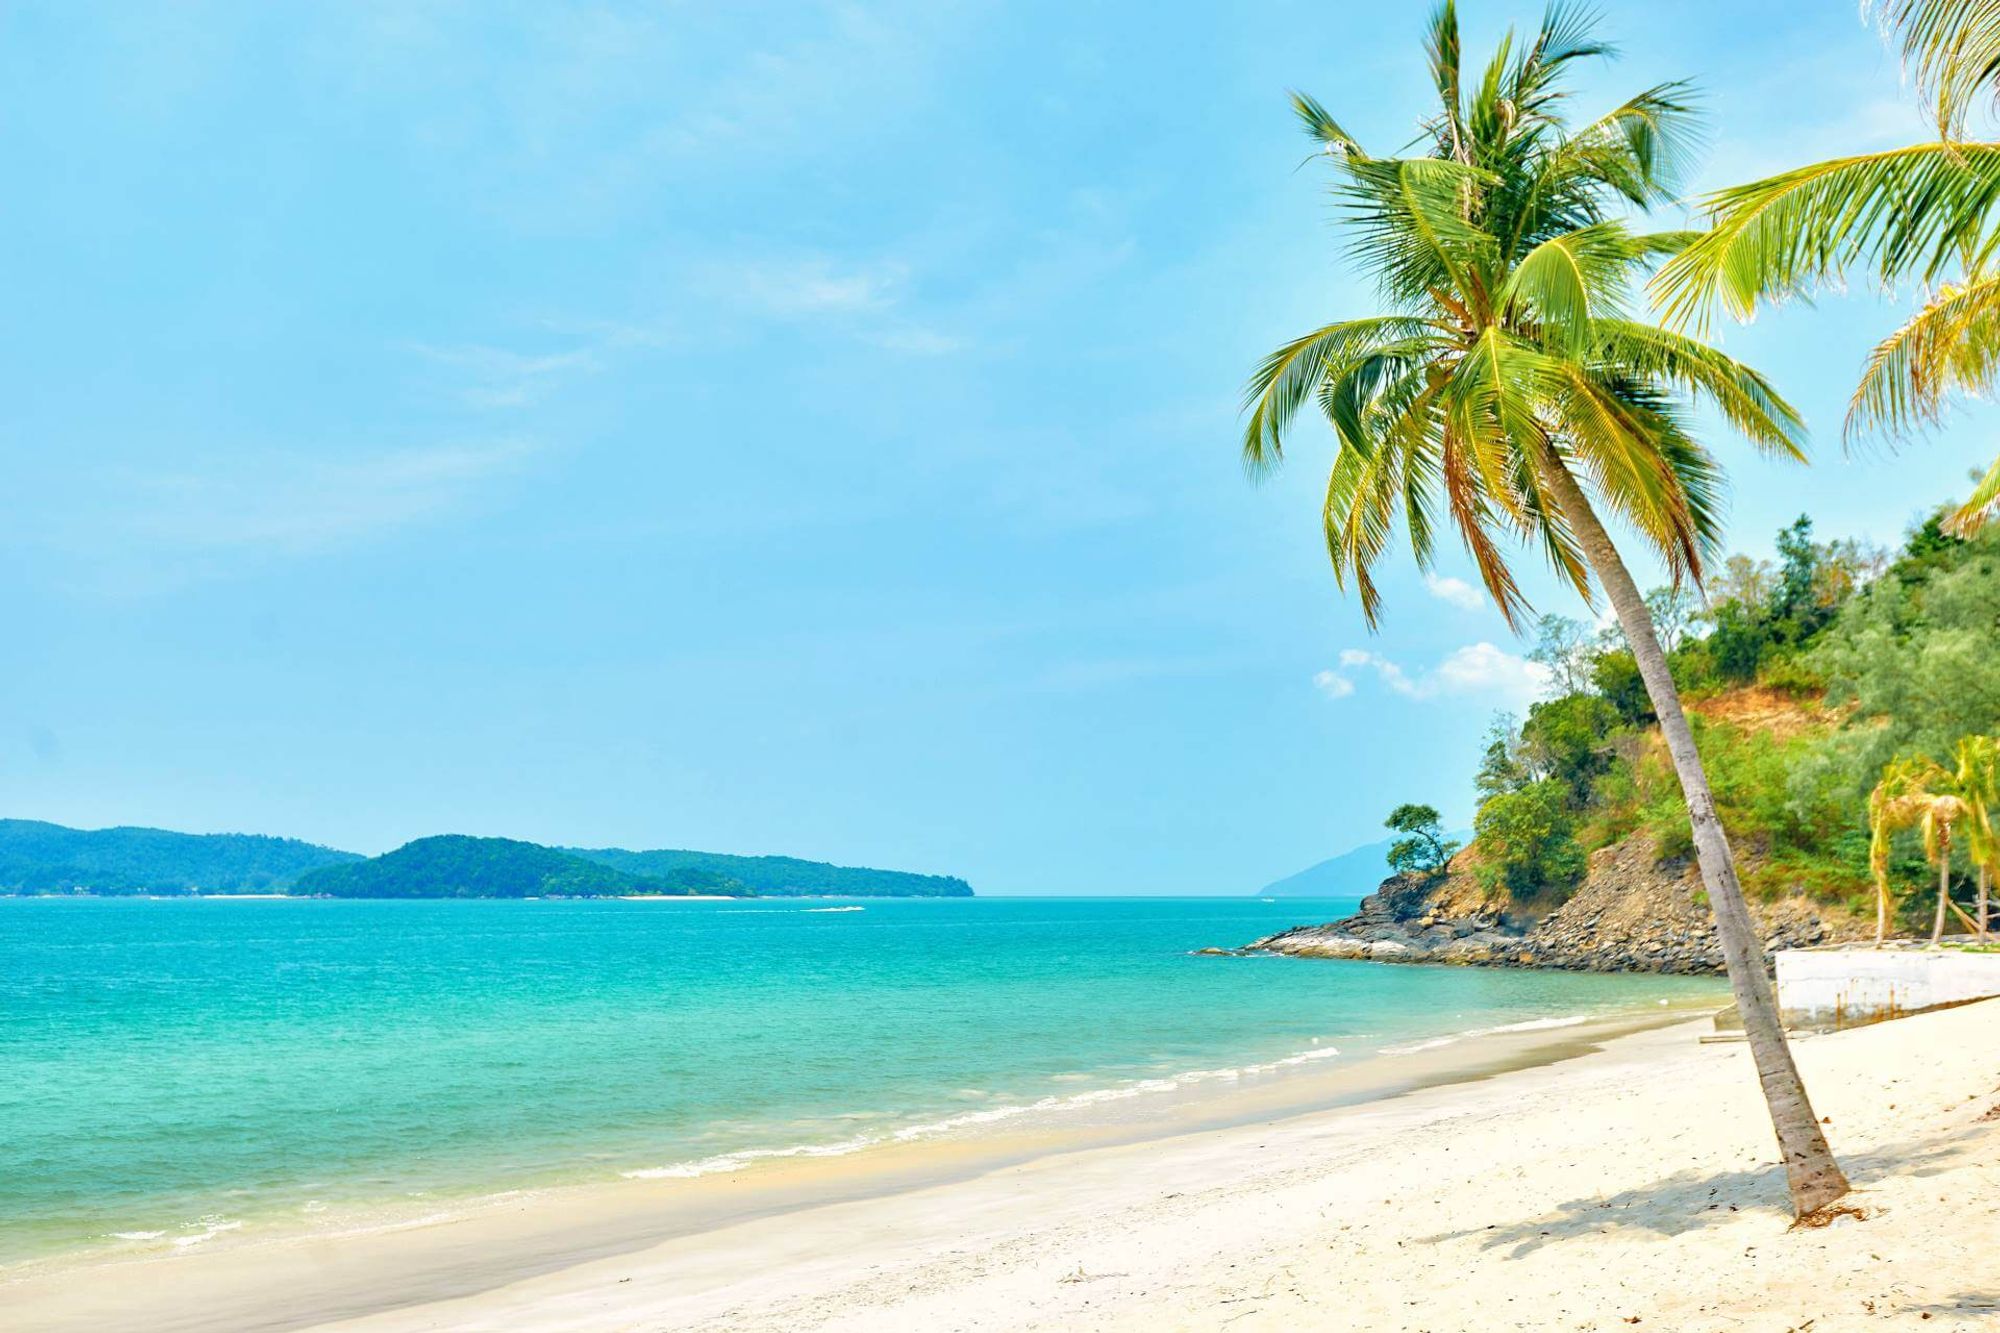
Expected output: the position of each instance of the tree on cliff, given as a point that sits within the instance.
(1506, 384)
(1423, 849)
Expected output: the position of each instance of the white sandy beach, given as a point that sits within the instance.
(1630, 1186)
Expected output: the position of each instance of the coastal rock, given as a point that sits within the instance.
(1634, 912)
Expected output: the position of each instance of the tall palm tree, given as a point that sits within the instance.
(1507, 387)
(1928, 213)
(1914, 793)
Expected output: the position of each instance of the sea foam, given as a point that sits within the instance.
(1050, 1105)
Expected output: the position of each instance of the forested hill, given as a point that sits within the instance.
(454, 866)
(48, 858)
(39, 858)
(1806, 681)
(782, 875)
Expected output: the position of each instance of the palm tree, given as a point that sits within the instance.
(1929, 213)
(1913, 793)
(1978, 783)
(1507, 387)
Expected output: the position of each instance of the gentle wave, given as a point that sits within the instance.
(212, 1227)
(1531, 1025)
(835, 909)
(1413, 1047)
(736, 1161)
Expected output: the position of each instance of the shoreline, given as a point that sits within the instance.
(456, 1249)
(1582, 1194)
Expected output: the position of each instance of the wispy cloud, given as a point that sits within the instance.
(809, 286)
(494, 377)
(864, 300)
(298, 505)
(1457, 592)
(1475, 670)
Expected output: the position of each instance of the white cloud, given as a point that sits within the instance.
(1482, 668)
(1333, 685)
(1473, 671)
(1457, 592)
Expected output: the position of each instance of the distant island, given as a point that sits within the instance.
(47, 858)
(40, 858)
(779, 875)
(453, 866)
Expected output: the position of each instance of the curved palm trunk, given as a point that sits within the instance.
(1982, 902)
(1944, 885)
(1815, 1178)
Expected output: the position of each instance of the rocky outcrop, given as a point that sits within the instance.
(1634, 912)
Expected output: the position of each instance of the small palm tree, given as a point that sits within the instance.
(1978, 782)
(1507, 389)
(1913, 793)
(1929, 212)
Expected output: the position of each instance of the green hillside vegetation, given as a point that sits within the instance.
(454, 866)
(1805, 677)
(40, 858)
(781, 875)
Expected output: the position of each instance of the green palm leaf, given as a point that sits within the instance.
(1952, 48)
(1951, 345)
(1910, 212)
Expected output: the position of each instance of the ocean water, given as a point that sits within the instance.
(174, 1071)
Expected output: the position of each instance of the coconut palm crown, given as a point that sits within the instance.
(1508, 340)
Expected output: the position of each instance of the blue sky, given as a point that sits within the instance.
(793, 428)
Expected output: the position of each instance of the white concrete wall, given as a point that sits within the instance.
(1848, 987)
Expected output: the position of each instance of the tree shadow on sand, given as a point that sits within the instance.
(1690, 1200)
(1964, 1303)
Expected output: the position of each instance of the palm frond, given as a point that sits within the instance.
(1359, 516)
(1478, 526)
(1977, 780)
(1952, 345)
(1746, 399)
(1643, 147)
(1974, 514)
(1441, 49)
(1952, 48)
(1411, 226)
(1643, 466)
(1909, 212)
(1323, 129)
(1284, 379)
(1568, 281)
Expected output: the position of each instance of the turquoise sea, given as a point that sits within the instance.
(173, 1071)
